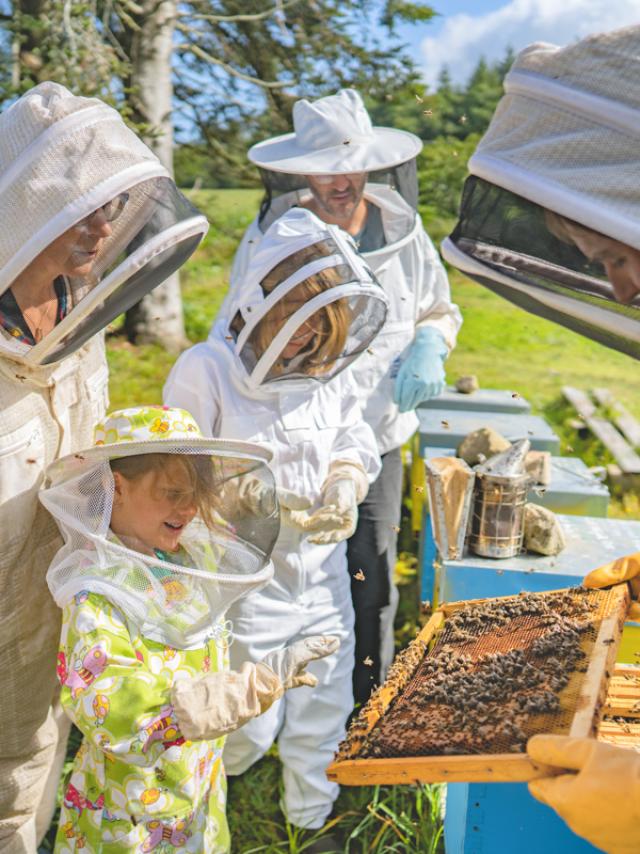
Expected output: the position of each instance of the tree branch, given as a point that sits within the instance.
(196, 50)
(258, 16)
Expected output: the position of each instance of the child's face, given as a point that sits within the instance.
(303, 334)
(151, 511)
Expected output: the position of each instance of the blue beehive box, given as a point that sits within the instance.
(591, 542)
(483, 400)
(503, 818)
(446, 428)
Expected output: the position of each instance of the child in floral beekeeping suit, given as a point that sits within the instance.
(158, 543)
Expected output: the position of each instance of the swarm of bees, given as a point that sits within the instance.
(498, 672)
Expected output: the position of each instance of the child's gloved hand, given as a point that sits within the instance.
(290, 662)
(336, 520)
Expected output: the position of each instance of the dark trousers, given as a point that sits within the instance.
(372, 551)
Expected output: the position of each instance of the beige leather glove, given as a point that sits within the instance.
(622, 569)
(258, 497)
(344, 488)
(219, 703)
(290, 662)
(602, 801)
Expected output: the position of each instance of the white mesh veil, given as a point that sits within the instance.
(177, 598)
(64, 161)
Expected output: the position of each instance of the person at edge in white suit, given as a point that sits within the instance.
(92, 222)
(363, 179)
(550, 220)
(274, 373)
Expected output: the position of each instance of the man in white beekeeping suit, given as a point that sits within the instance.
(363, 179)
(550, 219)
(92, 222)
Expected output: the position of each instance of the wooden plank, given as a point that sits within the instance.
(487, 768)
(622, 418)
(601, 666)
(580, 401)
(616, 444)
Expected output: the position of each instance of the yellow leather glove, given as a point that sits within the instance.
(601, 802)
(622, 569)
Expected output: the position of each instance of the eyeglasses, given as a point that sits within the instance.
(111, 210)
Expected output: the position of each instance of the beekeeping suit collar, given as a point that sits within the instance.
(342, 310)
(176, 597)
(334, 136)
(63, 160)
(555, 184)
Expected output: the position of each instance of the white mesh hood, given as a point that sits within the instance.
(565, 135)
(62, 159)
(178, 597)
(344, 296)
(550, 215)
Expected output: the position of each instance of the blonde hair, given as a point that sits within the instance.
(198, 483)
(331, 322)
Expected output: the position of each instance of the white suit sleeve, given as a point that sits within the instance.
(356, 442)
(433, 295)
(190, 385)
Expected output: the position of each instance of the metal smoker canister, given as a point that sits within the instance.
(500, 493)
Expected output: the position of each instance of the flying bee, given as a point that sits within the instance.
(359, 575)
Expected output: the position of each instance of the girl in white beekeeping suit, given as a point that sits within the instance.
(92, 222)
(274, 374)
(159, 541)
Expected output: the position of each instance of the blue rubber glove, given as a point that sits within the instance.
(421, 375)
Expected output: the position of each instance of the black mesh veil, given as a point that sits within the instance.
(402, 178)
(549, 265)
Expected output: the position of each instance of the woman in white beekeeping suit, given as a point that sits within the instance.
(550, 219)
(273, 373)
(92, 222)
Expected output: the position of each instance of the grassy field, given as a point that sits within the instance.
(505, 348)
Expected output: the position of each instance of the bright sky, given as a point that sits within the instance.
(469, 29)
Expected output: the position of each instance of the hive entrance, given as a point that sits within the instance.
(481, 678)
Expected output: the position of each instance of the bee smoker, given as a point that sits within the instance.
(500, 493)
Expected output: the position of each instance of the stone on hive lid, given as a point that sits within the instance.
(481, 444)
(542, 531)
(468, 384)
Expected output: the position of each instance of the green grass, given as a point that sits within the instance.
(505, 348)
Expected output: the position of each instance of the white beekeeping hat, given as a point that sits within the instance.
(334, 136)
(175, 579)
(63, 159)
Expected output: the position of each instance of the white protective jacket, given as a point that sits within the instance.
(415, 282)
(45, 412)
